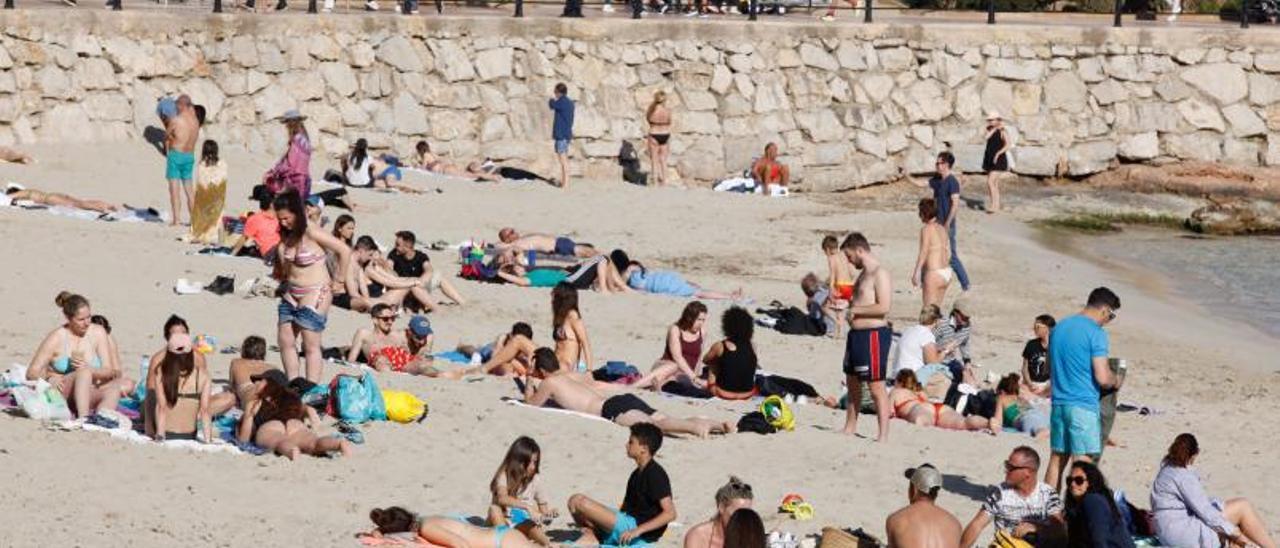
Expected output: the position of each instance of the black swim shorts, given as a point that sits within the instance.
(622, 403)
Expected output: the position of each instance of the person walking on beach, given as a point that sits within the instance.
(1079, 374)
(946, 195)
(562, 129)
(922, 522)
(180, 134)
(995, 159)
(866, 353)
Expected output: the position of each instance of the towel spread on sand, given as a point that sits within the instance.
(518, 403)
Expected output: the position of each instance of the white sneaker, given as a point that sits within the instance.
(607, 8)
(187, 287)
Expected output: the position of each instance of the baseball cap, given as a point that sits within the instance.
(180, 343)
(420, 326)
(925, 478)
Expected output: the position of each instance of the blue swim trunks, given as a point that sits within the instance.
(562, 146)
(622, 523)
(565, 246)
(1075, 430)
(179, 166)
(303, 316)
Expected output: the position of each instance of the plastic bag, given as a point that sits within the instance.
(43, 402)
(403, 407)
(356, 400)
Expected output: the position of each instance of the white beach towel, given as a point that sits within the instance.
(518, 403)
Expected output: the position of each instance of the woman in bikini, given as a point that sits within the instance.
(912, 405)
(182, 394)
(451, 532)
(428, 161)
(933, 271)
(278, 421)
(732, 362)
(76, 359)
(682, 353)
(304, 304)
(768, 172)
(573, 349)
(659, 118)
(173, 326)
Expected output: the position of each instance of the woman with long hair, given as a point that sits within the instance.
(658, 139)
(573, 348)
(293, 171)
(182, 395)
(745, 530)
(451, 532)
(732, 361)
(1019, 410)
(517, 500)
(911, 404)
(357, 165)
(1186, 516)
(682, 351)
(933, 269)
(174, 325)
(278, 421)
(344, 229)
(76, 359)
(306, 285)
(1093, 518)
(210, 195)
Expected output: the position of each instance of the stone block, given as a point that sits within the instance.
(1205, 146)
(1201, 115)
(1036, 161)
(1225, 83)
(1015, 69)
(399, 53)
(1244, 121)
(1139, 146)
(1090, 157)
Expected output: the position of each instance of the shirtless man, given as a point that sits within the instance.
(414, 355)
(866, 352)
(57, 199)
(370, 341)
(181, 133)
(545, 243)
(767, 171)
(512, 353)
(932, 272)
(571, 391)
(922, 523)
(730, 498)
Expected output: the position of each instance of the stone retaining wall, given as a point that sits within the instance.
(850, 104)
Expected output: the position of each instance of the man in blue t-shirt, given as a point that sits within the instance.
(946, 193)
(562, 129)
(1078, 348)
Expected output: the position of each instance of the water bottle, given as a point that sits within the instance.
(140, 389)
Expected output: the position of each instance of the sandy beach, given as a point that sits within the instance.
(1213, 377)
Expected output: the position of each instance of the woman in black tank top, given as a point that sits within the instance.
(732, 361)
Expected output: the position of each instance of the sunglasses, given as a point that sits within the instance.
(386, 318)
(1111, 316)
(1078, 480)
(1009, 467)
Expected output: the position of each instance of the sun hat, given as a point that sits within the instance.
(292, 115)
(993, 115)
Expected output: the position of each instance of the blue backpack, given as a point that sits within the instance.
(356, 400)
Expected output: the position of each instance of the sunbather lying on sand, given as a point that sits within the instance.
(278, 421)
(593, 273)
(14, 157)
(912, 405)
(428, 161)
(545, 243)
(571, 391)
(57, 199)
(452, 532)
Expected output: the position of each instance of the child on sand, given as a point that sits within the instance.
(839, 277)
(647, 507)
(517, 501)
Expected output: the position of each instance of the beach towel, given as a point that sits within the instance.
(210, 197)
(396, 539)
(138, 438)
(518, 403)
(126, 215)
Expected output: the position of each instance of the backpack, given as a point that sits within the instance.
(356, 400)
(630, 162)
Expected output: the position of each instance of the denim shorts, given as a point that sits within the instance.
(1075, 431)
(562, 146)
(303, 316)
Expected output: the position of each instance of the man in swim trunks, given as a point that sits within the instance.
(414, 356)
(573, 391)
(866, 353)
(368, 342)
(181, 132)
(545, 243)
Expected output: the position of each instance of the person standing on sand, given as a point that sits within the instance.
(562, 129)
(180, 134)
(1079, 373)
(922, 522)
(659, 118)
(294, 168)
(866, 353)
(946, 195)
(995, 159)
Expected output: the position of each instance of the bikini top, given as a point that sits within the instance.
(62, 364)
(302, 257)
(191, 395)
